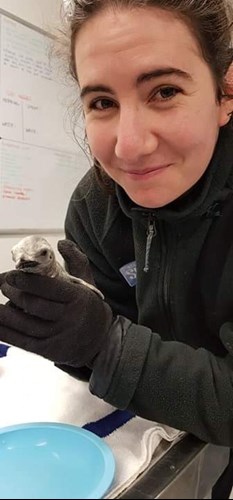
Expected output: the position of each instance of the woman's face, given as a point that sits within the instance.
(151, 114)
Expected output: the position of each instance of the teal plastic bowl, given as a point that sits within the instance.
(52, 460)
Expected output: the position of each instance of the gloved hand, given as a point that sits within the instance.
(226, 336)
(76, 262)
(65, 322)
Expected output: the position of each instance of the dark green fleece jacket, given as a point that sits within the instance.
(164, 359)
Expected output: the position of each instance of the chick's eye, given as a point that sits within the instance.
(101, 104)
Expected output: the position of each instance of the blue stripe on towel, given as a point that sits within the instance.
(106, 425)
(3, 350)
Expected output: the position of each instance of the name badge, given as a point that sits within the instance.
(129, 272)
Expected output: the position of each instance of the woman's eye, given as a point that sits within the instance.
(101, 104)
(165, 93)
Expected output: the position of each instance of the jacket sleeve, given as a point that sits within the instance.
(168, 382)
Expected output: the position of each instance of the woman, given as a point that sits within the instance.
(154, 80)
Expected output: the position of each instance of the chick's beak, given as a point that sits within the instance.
(23, 264)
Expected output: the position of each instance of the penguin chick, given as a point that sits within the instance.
(34, 254)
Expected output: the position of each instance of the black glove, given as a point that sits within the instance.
(226, 336)
(65, 322)
(76, 262)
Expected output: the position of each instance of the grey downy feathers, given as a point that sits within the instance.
(34, 254)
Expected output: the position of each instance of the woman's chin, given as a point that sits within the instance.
(150, 200)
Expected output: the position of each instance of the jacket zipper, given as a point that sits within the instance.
(151, 232)
(166, 260)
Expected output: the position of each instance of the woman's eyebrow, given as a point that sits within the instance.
(164, 71)
(88, 89)
(144, 77)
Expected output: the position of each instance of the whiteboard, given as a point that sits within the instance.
(40, 163)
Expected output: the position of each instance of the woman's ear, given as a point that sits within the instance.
(226, 104)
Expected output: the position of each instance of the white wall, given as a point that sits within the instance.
(41, 13)
(44, 14)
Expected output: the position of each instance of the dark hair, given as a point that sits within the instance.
(210, 21)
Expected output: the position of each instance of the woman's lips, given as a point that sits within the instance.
(145, 174)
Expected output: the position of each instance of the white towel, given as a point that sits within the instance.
(32, 389)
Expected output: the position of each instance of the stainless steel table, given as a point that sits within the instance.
(189, 469)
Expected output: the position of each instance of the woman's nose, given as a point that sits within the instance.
(135, 137)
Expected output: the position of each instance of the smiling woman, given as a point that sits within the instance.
(154, 81)
(150, 102)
